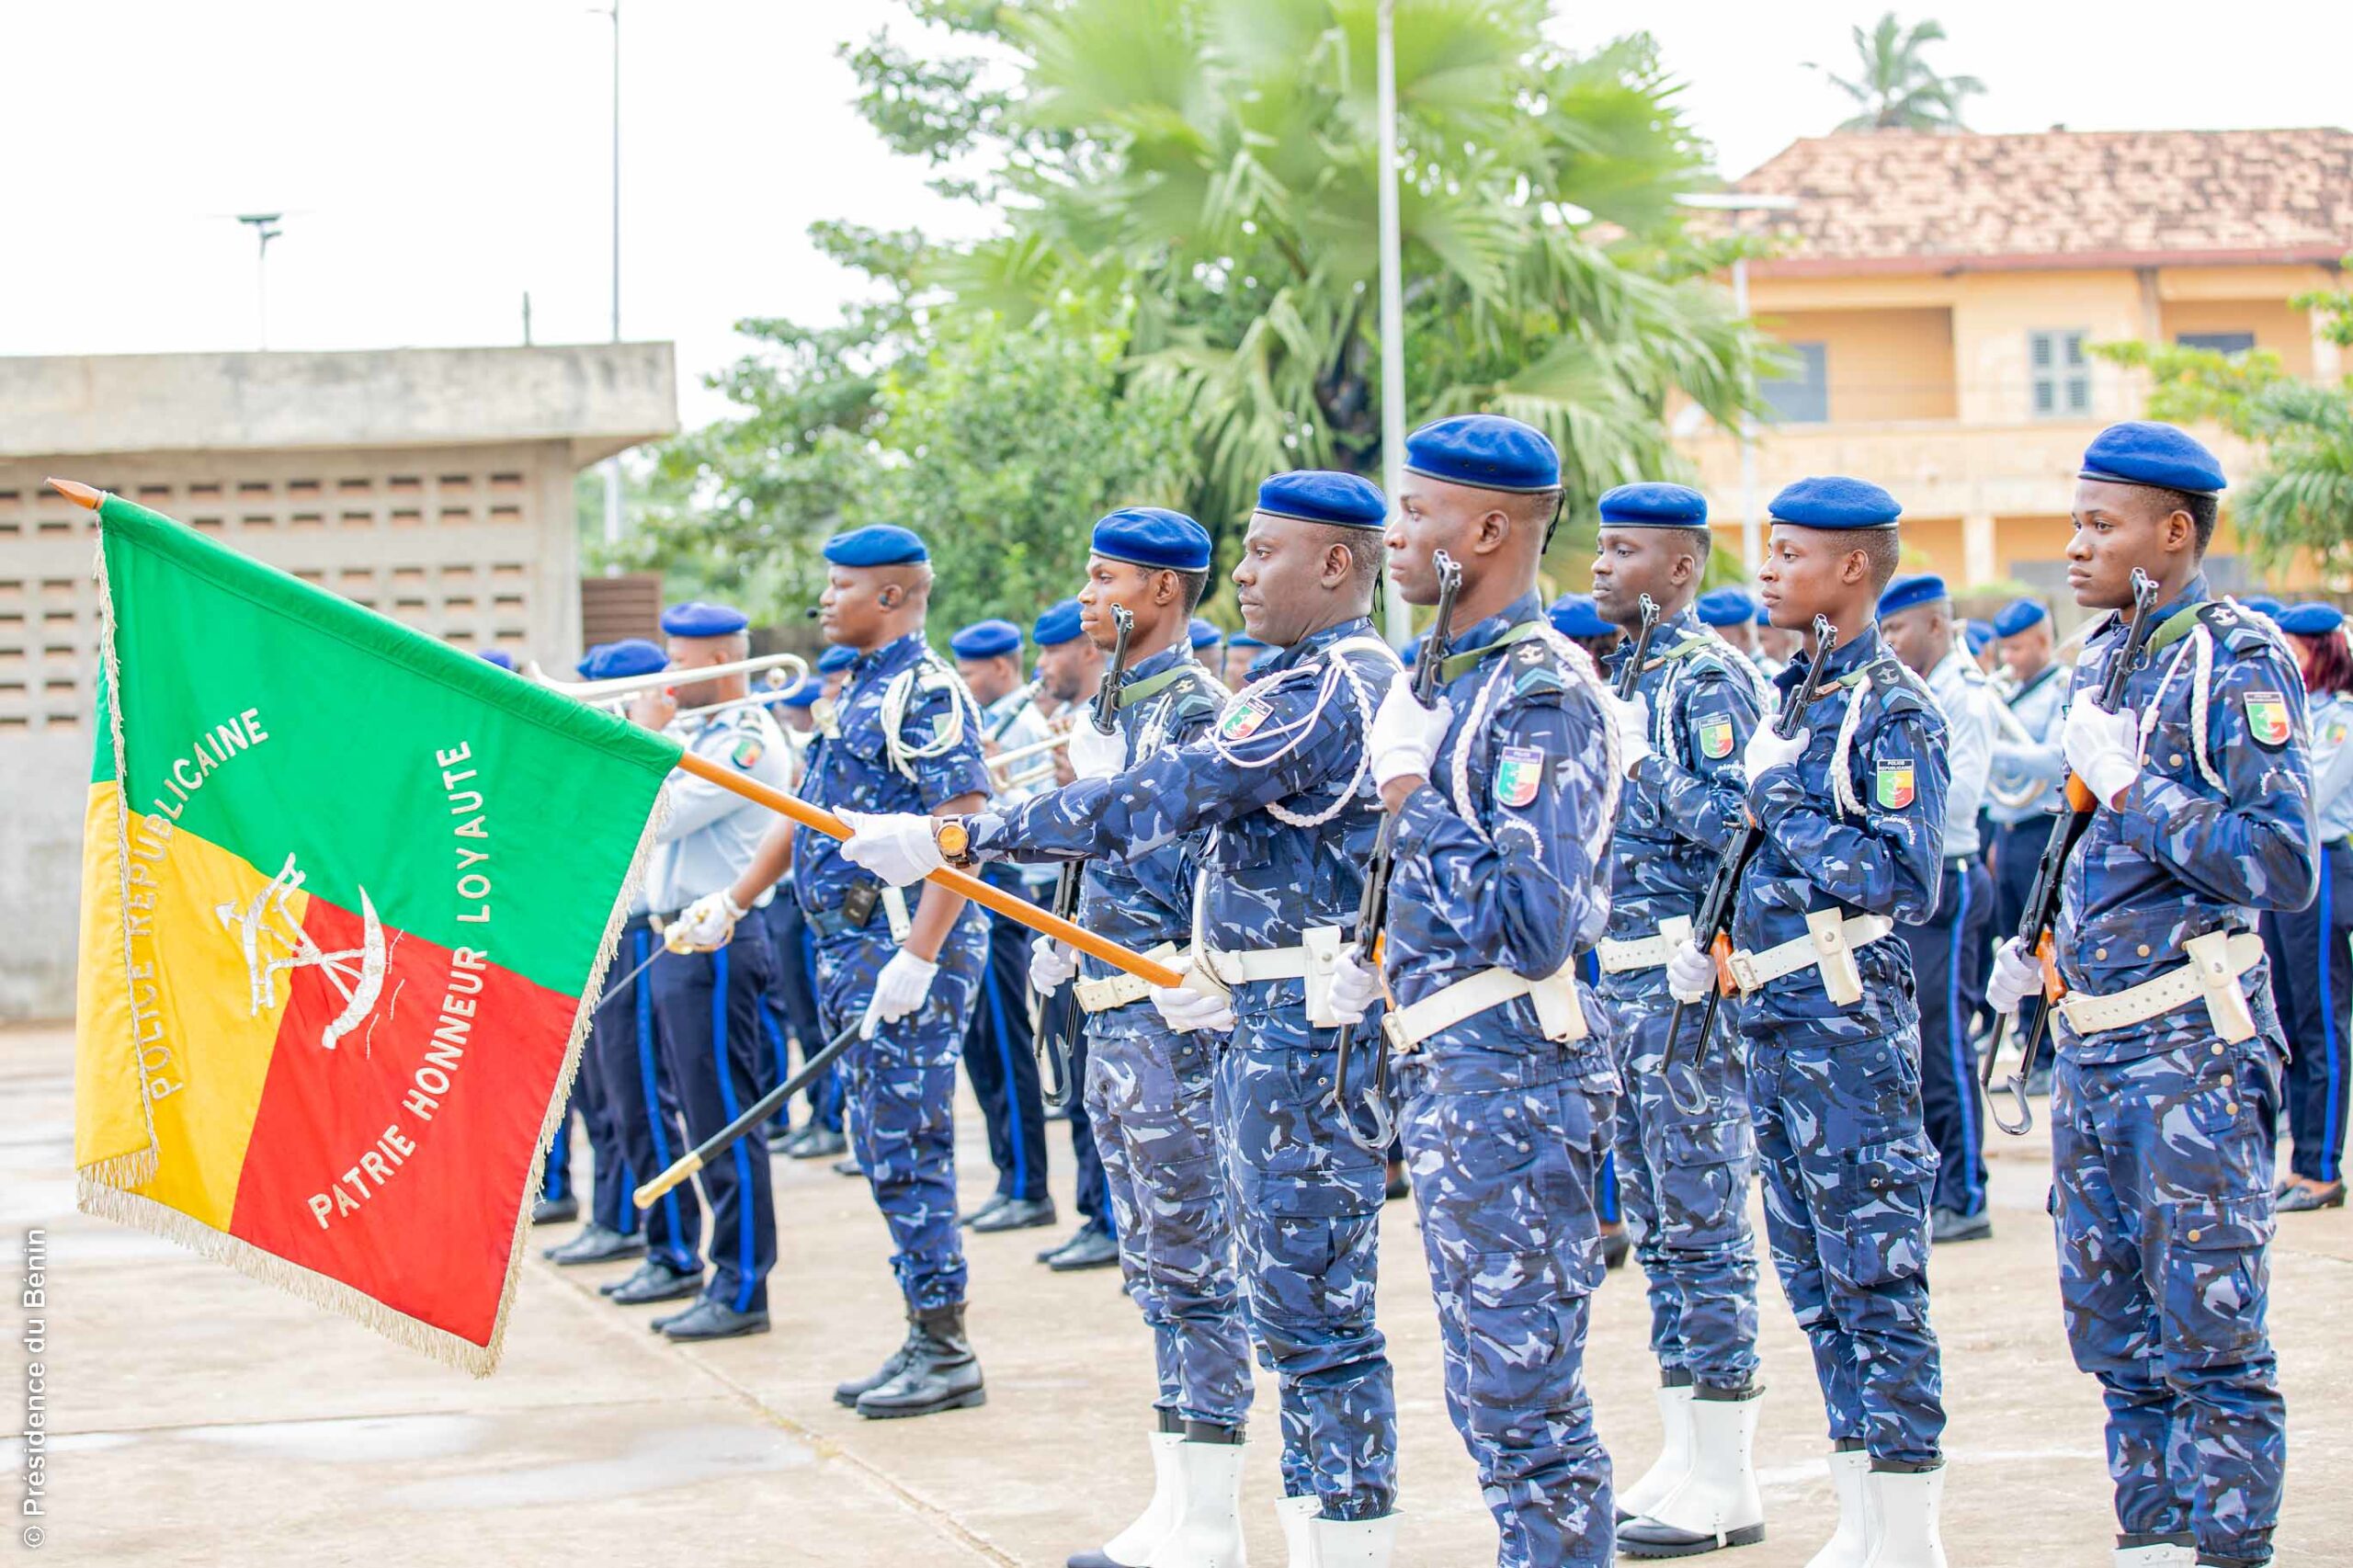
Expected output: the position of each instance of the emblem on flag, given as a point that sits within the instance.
(1896, 784)
(1518, 773)
(1715, 738)
(1242, 720)
(2267, 719)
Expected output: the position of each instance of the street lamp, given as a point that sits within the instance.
(265, 229)
(1752, 546)
(1400, 615)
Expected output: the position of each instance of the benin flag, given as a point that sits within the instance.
(346, 895)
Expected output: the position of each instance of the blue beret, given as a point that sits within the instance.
(1205, 634)
(1155, 537)
(499, 656)
(695, 618)
(2311, 620)
(836, 656)
(805, 695)
(2140, 451)
(1486, 451)
(985, 639)
(1651, 505)
(2017, 616)
(1573, 615)
(1320, 496)
(630, 656)
(1910, 593)
(2263, 605)
(1243, 640)
(883, 544)
(1725, 606)
(1058, 625)
(1835, 503)
(1978, 634)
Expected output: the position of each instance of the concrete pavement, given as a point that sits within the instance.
(199, 1417)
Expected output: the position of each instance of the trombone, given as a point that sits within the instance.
(795, 667)
(1005, 759)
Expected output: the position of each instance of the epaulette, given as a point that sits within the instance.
(2240, 630)
(1198, 693)
(1537, 670)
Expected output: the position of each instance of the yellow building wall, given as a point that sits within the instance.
(1882, 364)
(1995, 313)
(2285, 332)
(1933, 544)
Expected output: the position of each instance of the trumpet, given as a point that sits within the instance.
(599, 691)
(1035, 748)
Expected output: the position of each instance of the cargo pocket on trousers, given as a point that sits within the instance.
(1877, 1218)
(1515, 1326)
(2217, 1267)
(1698, 1193)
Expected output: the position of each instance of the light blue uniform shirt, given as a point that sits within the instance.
(2332, 722)
(2042, 711)
(708, 837)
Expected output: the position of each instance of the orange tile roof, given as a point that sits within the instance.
(1920, 201)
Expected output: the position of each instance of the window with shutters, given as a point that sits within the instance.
(2059, 373)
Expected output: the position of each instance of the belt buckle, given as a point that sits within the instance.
(1743, 965)
(1393, 1029)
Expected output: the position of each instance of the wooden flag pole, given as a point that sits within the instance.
(1010, 906)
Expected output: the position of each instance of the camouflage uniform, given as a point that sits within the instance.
(902, 1083)
(1684, 1177)
(1149, 1089)
(2161, 1131)
(1857, 822)
(1282, 780)
(1499, 858)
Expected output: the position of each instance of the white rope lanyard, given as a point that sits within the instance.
(1474, 728)
(1337, 674)
(930, 671)
(2198, 648)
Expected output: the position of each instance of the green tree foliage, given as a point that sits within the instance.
(1894, 87)
(2301, 498)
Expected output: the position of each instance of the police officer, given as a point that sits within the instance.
(1731, 614)
(1503, 792)
(2167, 1085)
(1205, 635)
(1242, 651)
(1283, 778)
(2023, 794)
(709, 1005)
(1149, 1085)
(1852, 809)
(1000, 1054)
(2311, 986)
(1953, 948)
(794, 995)
(1685, 1174)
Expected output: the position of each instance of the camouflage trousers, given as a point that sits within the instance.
(1683, 1180)
(1505, 1151)
(1306, 1204)
(1846, 1170)
(902, 1097)
(2161, 1188)
(1148, 1097)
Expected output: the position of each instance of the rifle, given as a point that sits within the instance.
(1372, 908)
(2041, 915)
(1627, 676)
(1058, 1021)
(1711, 925)
(756, 1113)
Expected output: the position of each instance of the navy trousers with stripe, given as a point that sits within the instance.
(624, 1054)
(791, 1013)
(1951, 955)
(2311, 983)
(717, 1050)
(1001, 1055)
(609, 1176)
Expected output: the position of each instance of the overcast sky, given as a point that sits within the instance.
(438, 158)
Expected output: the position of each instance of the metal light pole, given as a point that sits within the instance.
(613, 464)
(1393, 301)
(264, 228)
(1752, 540)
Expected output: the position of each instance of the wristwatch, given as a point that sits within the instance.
(954, 841)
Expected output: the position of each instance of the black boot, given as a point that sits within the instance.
(941, 1372)
(848, 1393)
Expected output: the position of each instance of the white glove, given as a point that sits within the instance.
(705, 927)
(1093, 753)
(1051, 963)
(2017, 976)
(1354, 987)
(898, 847)
(1187, 1009)
(899, 990)
(2103, 748)
(1632, 715)
(1689, 972)
(1406, 735)
(1767, 750)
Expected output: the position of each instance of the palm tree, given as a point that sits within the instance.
(1212, 177)
(1897, 89)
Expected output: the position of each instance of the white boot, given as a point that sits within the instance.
(1716, 1503)
(1133, 1547)
(1674, 1455)
(1850, 1543)
(1297, 1514)
(1903, 1518)
(1352, 1543)
(1208, 1510)
(2164, 1554)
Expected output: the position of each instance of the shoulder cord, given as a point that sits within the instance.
(2199, 648)
(1337, 673)
(1842, 787)
(1671, 690)
(1474, 728)
(928, 669)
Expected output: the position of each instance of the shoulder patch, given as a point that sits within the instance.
(1243, 719)
(747, 752)
(1519, 771)
(2268, 723)
(1712, 734)
(1898, 782)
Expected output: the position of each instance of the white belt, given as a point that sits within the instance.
(1645, 952)
(2212, 970)
(1315, 961)
(1231, 969)
(1556, 1005)
(1119, 989)
(1828, 946)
